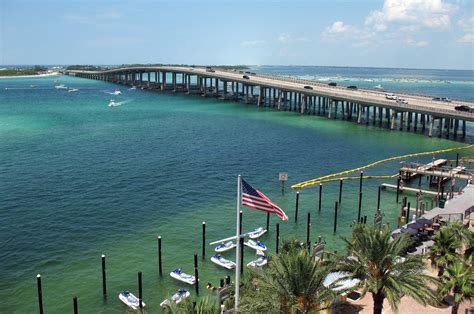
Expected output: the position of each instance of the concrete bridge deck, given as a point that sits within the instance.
(298, 95)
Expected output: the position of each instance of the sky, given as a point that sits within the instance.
(432, 34)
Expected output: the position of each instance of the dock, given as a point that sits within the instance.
(408, 189)
(457, 172)
(359, 105)
(408, 175)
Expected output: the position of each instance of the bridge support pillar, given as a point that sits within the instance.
(279, 99)
(259, 96)
(440, 127)
(402, 120)
(329, 108)
(416, 122)
(217, 87)
(367, 116)
(303, 104)
(359, 114)
(430, 131)
(463, 128)
(456, 126)
(394, 120)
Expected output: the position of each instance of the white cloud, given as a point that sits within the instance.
(421, 43)
(252, 42)
(285, 38)
(467, 24)
(337, 28)
(467, 38)
(427, 13)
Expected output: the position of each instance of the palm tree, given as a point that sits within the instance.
(458, 280)
(206, 305)
(444, 250)
(292, 283)
(375, 260)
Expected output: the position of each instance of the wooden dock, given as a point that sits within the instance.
(408, 189)
(408, 175)
(442, 173)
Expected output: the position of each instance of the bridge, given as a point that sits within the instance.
(364, 106)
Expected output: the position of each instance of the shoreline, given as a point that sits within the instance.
(36, 75)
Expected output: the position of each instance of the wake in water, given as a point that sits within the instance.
(113, 103)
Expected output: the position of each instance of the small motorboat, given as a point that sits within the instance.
(257, 233)
(116, 92)
(61, 86)
(130, 300)
(259, 246)
(378, 87)
(224, 247)
(72, 90)
(112, 103)
(259, 262)
(33, 86)
(219, 260)
(132, 88)
(186, 278)
(176, 298)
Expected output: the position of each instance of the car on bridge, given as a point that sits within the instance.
(209, 69)
(401, 101)
(391, 96)
(246, 77)
(308, 87)
(464, 108)
(352, 87)
(332, 84)
(445, 99)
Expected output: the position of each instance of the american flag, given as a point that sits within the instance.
(255, 199)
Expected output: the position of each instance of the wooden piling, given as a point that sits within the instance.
(398, 189)
(160, 264)
(320, 196)
(196, 273)
(75, 306)
(277, 237)
(203, 239)
(268, 221)
(104, 277)
(40, 293)
(378, 197)
(140, 290)
(360, 181)
(308, 228)
(335, 217)
(340, 190)
(360, 206)
(297, 205)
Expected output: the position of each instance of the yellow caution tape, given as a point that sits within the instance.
(330, 176)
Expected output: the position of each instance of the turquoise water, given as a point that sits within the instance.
(79, 179)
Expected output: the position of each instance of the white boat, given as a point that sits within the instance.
(378, 87)
(176, 298)
(33, 86)
(259, 246)
(224, 247)
(71, 90)
(186, 278)
(130, 300)
(112, 103)
(259, 262)
(133, 87)
(116, 92)
(61, 86)
(219, 260)
(257, 233)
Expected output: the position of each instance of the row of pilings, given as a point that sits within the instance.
(287, 100)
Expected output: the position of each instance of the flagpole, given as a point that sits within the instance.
(237, 256)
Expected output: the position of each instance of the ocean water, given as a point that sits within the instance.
(455, 84)
(79, 179)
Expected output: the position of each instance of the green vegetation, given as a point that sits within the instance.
(23, 71)
(452, 254)
(375, 260)
(206, 305)
(292, 283)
